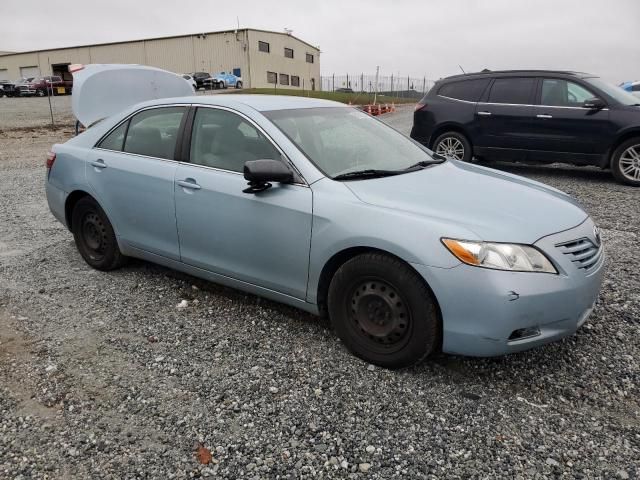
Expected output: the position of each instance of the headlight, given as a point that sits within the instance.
(500, 256)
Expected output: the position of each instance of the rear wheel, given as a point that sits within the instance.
(94, 236)
(453, 145)
(625, 162)
(383, 312)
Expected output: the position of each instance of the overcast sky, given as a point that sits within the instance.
(407, 37)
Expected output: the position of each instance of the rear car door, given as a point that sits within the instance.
(503, 117)
(563, 129)
(259, 238)
(131, 172)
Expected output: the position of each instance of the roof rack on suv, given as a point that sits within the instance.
(518, 72)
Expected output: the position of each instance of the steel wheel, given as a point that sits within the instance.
(630, 163)
(94, 235)
(450, 147)
(379, 314)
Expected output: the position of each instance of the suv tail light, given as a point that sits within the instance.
(51, 157)
(419, 106)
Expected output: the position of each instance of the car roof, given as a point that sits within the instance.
(259, 102)
(516, 73)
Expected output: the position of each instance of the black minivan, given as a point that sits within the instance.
(533, 116)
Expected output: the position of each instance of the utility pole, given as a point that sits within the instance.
(375, 96)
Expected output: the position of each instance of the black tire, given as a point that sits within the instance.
(238, 84)
(383, 311)
(451, 139)
(624, 167)
(40, 93)
(94, 236)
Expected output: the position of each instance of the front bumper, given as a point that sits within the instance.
(482, 308)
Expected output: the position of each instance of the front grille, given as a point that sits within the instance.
(583, 253)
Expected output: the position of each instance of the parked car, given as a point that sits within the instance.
(631, 87)
(7, 89)
(533, 116)
(344, 90)
(24, 88)
(224, 80)
(199, 78)
(191, 80)
(317, 205)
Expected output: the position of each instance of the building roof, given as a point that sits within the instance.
(5, 54)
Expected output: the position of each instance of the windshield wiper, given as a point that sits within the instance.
(426, 163)
(368, 173)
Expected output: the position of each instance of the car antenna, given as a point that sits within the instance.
(462, 69)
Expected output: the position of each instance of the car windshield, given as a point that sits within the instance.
(340, 140)
(617, 93)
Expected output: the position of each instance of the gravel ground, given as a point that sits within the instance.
(102, 376)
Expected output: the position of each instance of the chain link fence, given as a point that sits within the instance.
(392, 85)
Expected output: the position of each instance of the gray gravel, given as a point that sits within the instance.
(103, 376)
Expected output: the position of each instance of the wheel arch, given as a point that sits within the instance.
(72, 199)
(620, 139)
(449, 127)
(338, 259)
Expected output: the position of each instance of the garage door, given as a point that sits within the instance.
(4, 74)
(28, 72)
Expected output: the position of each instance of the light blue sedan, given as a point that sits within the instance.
(226, 79)
(317, 205)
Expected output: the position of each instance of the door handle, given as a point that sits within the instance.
(99, 163)
(189, 183)
(484, 114)
(544, 115)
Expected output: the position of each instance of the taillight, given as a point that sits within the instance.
(419, 106)
(51, 157)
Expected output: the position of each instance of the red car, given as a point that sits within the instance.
(43, 86)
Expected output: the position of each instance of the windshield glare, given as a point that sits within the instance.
(616, 93)
(339, 140)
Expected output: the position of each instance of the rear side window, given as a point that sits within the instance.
(469, 90)
(154, 132)
(512, 90)
(115, 139)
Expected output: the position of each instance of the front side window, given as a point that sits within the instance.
(272, 77)
(309, 58)
(263, 47)
(562, 93)
(154, 132)
(288, 52)
(515, 91)
(284, 79)
(222, 139)
(339, 140)
(115, 139)
(469, 90)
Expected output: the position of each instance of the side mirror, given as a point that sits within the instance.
(594, 104)
(260, 172)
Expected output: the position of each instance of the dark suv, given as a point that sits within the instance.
(533, 116)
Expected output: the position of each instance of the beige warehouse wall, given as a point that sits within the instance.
(222, 52)
(275, 61)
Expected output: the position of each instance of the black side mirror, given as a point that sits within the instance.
(594, 104)
(260, 172)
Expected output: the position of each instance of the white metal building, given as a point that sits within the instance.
(260, 57)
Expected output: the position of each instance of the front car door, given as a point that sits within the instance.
(131, 172)
(259, 238)
(562, 129)
(503, 118)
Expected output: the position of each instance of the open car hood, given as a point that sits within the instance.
(102, 90)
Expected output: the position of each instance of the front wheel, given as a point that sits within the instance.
(453, 145)
(94, 236)
(383, 311)
(40, 93)
(238, 84)
(625, 162)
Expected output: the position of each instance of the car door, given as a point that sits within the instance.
(132, 171)
(503, 117)
(259, 238)
(563, 129)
